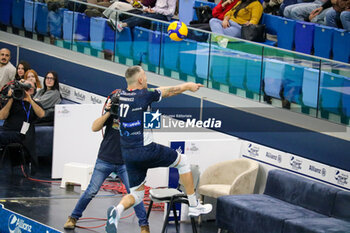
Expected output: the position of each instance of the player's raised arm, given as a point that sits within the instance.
(175, 90)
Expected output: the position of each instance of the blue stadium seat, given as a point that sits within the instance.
(124, 43)
(341, 45)
(30, 13)
(310, 87)
(346, 97)
(198, 3)
(97, 30)
(331, 92)
(17, 13)
(304, 37)
(171, 53)
(273, 77)
(160, 27)
(109, 39)
(140, 44)
(202, 60)
(188, 57)
(323, 41)
(285, 33)
(82, 32)
(69, 24)
(253, 75)
(5, 12)
(42, 23)
(219, 64)
(55, 22)
(292, 83)
(154, 48)
(271, 22)
(237, 65)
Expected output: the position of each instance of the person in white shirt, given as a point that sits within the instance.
(7, 70)
(163, 10)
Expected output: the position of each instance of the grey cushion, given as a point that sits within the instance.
(44, 140)
(164, 194)
(342, 206)
(257, 213)
(316, 225)
(301, 191)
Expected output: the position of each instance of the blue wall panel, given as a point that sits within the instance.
(73, 74)
(281, 136)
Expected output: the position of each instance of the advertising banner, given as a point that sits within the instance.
(80, 96)
(339, 177)
(264, 154)
(12, 222)
(297, 164)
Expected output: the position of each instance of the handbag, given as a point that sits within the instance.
(254, 32)
(204, 14)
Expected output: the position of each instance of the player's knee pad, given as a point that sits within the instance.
(138, 195)
(183, 166)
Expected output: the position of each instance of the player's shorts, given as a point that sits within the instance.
(139, 159)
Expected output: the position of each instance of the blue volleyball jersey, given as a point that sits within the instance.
(132, 105)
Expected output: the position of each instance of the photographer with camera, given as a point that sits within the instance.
(109, 160)
(19, 111)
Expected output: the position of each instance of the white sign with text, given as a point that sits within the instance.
(74, 140)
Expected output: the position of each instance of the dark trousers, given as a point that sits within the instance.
(28, 141)
(9, 136)
(136, 21)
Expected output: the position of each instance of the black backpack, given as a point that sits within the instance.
(203, 14)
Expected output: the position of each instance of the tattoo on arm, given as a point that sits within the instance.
(171, 91)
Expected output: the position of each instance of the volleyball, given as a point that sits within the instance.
(177, 31)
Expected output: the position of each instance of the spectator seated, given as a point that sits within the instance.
(290, 203)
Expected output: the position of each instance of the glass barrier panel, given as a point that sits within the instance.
(235, 66)
(102, 35)
(5, 13)
(193, 56)
(185, 57)
(147, 43)
(290, 80)
(17, 15)
(334, 94)
(55, 24)
(170, 50)
(41, 22)
(137, 42)
(30, 14)
(68, 28)
(79, 27)
(82, 32)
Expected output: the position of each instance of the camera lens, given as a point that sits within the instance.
(18, 94)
